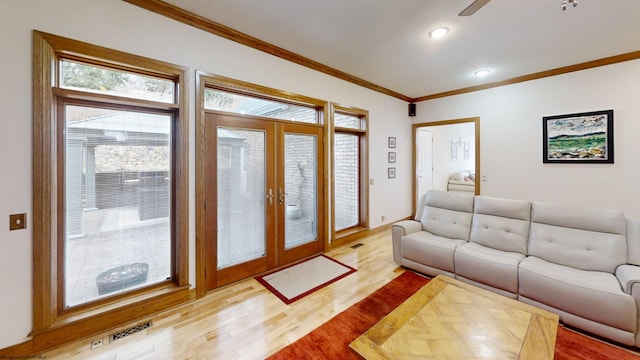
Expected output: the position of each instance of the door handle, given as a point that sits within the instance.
(281, 196)
(270, 197)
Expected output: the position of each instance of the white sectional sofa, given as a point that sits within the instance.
(581, 263)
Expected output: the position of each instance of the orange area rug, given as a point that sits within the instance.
(331, 340)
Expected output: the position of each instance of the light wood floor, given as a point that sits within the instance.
(244, 320)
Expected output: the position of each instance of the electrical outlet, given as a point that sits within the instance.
(17, 221)
(96, 343)
(383, 217)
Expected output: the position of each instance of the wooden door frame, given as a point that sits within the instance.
(203, 80)
(275, 218)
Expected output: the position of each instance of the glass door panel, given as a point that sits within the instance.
(301, 181)
(241, 192)
(300, 174)
(239, 198)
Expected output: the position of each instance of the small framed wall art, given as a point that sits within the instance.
(392, 142)
(392, 157)
(466, 150)
(391, 172)
(578, 138)
(454, 150)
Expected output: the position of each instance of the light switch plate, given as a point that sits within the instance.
(17, 221)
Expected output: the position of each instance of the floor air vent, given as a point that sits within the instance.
(130, 331)
(355, 246)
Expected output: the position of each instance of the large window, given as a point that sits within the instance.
(117, 185)
(110, 160)
(349, 170)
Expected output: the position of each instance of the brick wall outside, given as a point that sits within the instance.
(346, 182)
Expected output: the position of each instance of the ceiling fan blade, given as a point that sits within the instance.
(475, 6)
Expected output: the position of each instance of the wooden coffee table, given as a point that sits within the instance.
(453, 320)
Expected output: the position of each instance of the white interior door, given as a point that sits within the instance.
(424, 162)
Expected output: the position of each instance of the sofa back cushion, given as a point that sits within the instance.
(501, 224)
(447, 214)
(583, 238)
(633, 242)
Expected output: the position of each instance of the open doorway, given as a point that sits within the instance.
(444, 150)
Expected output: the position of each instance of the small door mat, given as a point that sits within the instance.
(299, 280)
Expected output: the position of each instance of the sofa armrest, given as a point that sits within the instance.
(405, 227)
(400, 229)
(629, 278)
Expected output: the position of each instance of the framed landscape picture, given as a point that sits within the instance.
(578, 138)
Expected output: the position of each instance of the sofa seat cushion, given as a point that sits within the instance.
(493, 267)
(431, 250)
(592, 295)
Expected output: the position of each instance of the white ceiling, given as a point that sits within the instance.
(386, 42)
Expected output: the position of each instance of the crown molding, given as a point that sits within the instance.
(539, 75)
(173, 12)
(176, 13)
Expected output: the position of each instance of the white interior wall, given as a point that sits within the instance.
(511, 136)
(511, 123)
(121, 26)
(443, 164)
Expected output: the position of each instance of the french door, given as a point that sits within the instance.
(263, 195)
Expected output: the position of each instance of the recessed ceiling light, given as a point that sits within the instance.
(481, 73)
(438, 33)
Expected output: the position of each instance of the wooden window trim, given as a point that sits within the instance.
(352, 233)
(115, 100)
(50, 327)
(349, 235)
(244, 88)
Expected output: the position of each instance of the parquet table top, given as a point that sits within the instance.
(449, 319)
